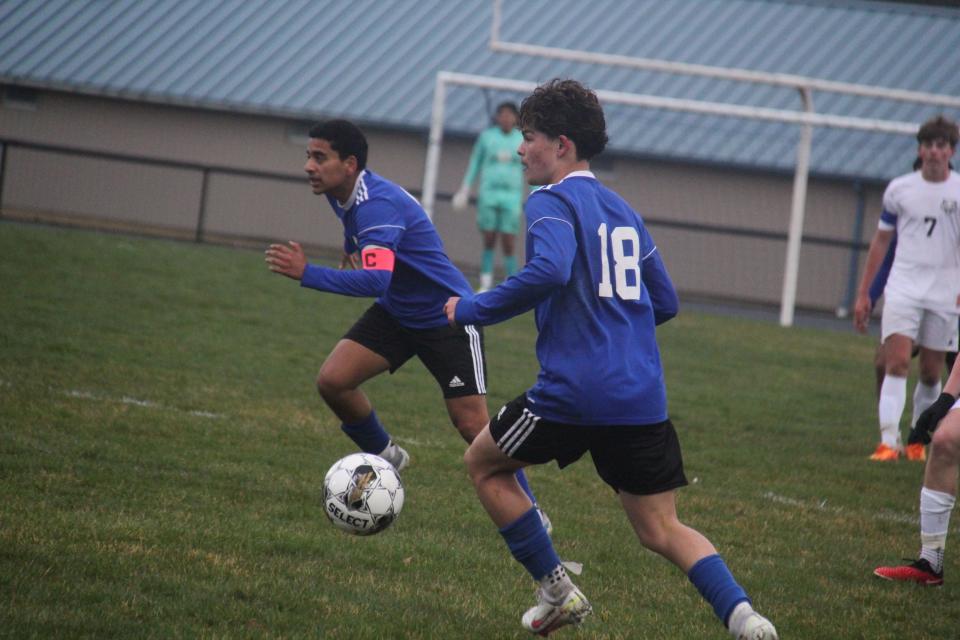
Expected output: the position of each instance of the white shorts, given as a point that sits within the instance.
(936, 330)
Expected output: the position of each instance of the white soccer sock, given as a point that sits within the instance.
(486, 280)
(923, 397)
(392, 454)
(893, 397)
(935, 508)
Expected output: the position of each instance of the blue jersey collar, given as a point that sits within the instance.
(353, 194)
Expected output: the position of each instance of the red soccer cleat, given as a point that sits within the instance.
(918, 571)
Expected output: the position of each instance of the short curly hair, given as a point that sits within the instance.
(568, 108)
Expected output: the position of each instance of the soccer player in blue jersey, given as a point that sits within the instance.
(392, 252)
(599, 288)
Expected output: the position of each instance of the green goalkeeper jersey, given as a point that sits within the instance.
(495, 158)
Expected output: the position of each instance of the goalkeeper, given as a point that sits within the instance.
(939, 425)
(500, 197)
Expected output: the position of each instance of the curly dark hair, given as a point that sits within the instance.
(939, 128)
(566, 107)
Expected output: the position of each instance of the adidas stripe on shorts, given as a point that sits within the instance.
(640, 459)
(453, 355)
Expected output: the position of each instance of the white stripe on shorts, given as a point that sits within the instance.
(476, 353)
(517, 433)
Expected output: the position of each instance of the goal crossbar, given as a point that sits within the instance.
(722, 73)
(807, 119)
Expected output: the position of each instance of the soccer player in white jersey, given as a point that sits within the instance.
(939, 493)
(923, 291)
(599, 288)
(395, 255)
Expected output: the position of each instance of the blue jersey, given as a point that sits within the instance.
(599, 288)
(380, 213)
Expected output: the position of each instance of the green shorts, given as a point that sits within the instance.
(499, 211)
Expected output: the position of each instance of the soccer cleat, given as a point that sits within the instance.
(918, 571)
(916, 451)
(547, 617)
(885, 454)
(747, 624)
(756, 627)
(396, 455)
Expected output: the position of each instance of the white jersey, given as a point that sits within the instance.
(926, 216)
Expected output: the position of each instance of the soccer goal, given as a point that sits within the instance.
(806, 119)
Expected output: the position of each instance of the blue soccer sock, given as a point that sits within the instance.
(530, 545)
(369, 434)
(715, 583)
(510, 265)
(486, 261)
(522, 479)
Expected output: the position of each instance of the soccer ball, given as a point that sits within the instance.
(362, 494)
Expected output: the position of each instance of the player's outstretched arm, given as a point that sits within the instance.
(370, 281)
(553, 251)
(287, 259)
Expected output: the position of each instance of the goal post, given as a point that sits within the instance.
(807, 119)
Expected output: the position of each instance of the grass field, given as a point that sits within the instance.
(162, 449)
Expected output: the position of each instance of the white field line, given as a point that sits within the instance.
(889, 516)
(420, 442)
(86, 395)
(807, 505)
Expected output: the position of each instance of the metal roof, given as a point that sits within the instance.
(375, 61)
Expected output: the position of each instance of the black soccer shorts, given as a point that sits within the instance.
(454, 355)
(638, 459)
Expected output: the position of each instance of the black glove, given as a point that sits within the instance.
(930, 418)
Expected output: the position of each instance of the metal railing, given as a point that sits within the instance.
(208, 169)
(204, 169)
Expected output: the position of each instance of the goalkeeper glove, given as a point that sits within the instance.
(927, 423)
(461, 198)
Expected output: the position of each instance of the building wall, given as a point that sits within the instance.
(724, 263)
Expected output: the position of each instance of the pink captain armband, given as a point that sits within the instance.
(377, 258)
